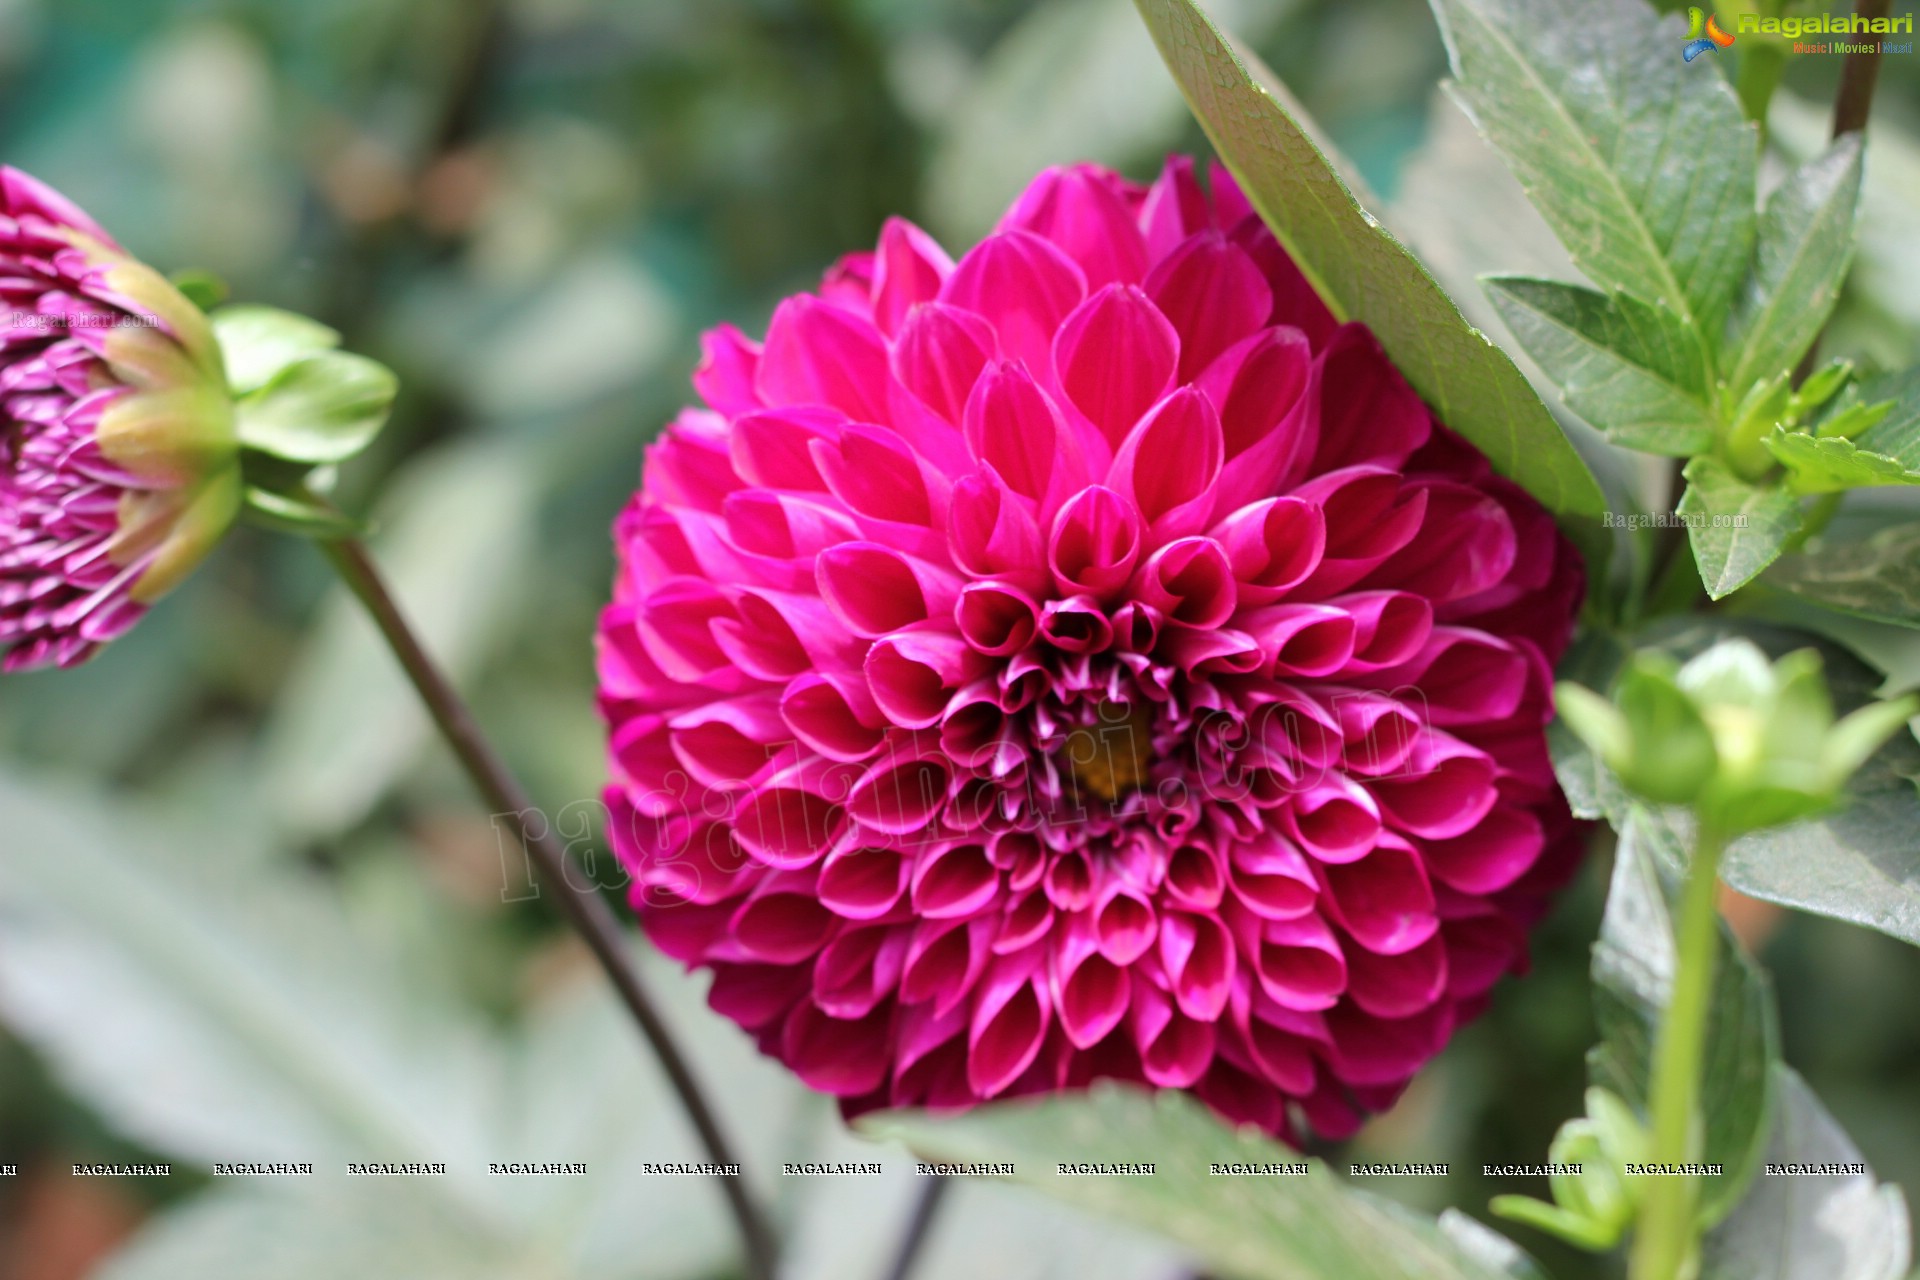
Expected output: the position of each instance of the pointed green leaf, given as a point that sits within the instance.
(1633, 967)
(1800, 1226)
(1877, 577)
(1360, 269)
(1642, 163)
(1897, 435)
(1308, 1227)
(258, 342)
(1634, 371)
(1830, 464)
(1805, 246)
(322, 408)
(1738, 529)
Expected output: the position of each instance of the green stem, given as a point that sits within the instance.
(1815, 522)
(1665, 1243)
(584, 908)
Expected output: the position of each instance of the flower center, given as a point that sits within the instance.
(1110, 758)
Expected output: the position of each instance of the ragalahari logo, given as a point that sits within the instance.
(1703, 34)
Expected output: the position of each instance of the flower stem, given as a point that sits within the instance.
(918, 1227)
(1665, 1242)
(584, 908)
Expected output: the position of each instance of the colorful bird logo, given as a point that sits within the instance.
(1699, 22)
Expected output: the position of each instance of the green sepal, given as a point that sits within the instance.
(258, 343)
(299, 514)
(325, 407)
(203, 289)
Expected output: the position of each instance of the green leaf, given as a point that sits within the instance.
(298, 515)
(1897, 435)
(1595, 113)
(210, 1012)
(1309, 1227)
(1633, 371)
(1633, 967)
(1737, 528)
(1843, 1226)
(258, 342)
(1805, 246)
(1360, 269)
(319, 1228)
(1877, 577)
(321, 408)
(1831, 464)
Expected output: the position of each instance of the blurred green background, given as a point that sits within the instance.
(272, 924)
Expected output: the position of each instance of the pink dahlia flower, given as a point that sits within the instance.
(1087, 659)
(118, 462)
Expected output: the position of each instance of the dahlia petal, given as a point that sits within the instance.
(901, 792)
(1273, 545)
(1081, 210)
(991, 533)
(1013, 427)
(792, 819)
(939, 354)
(819, 353)
(724, 745)
(1296, 303)
(1189, 581)
(770, 447)
(1384, 899)
(1271, 878)
(954, 880)
(914, 674)
(843, 1057)
(862, 882)
(1398, 985)
(1335, 820)
(1169, 464)
(1214, 296)
(945, 961)
(1175, 1049)
(1009, 1024)
(1466, 546)
(909, 269)
(1125, 926)
(1386, 1051)
(1095, 542)
(755, 995)
(1116, 356)
(1297, 963)
(874, 589)
(1175, 208)
(833, 713)
(1446, 788)
(1268, 396)
(781, 927)
(726, 374)
(1490, 856)
(1199, 957)
(1368, 413)
(996, 618)
(858, 970)
(1023, 286)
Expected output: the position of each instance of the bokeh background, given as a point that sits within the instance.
(248, 909)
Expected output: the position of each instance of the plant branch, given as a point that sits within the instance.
(1852, 103)
(1666, 1238)
(585, 909)
(918, 1227)
(1858, 76)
